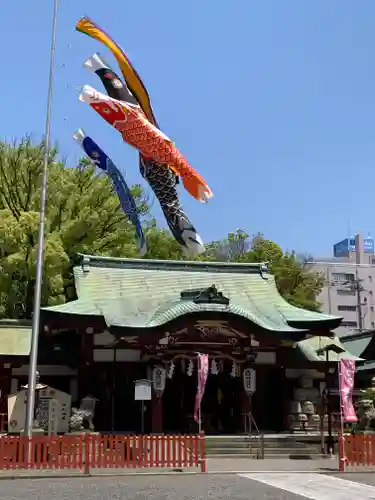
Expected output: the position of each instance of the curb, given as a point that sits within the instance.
(168, 473)
(90, 475)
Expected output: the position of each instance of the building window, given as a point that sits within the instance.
(349, 324)
(372, 324)
(372, 309)
(345, 291)
(370, 292)
(370, 278)
(343, 277)
(347, 308)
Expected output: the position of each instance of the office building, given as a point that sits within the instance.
(349, 289)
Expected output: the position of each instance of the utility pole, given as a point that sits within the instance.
(354, 285)
(358, 290)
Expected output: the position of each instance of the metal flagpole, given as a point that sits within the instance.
(199, 395)
(40, 253)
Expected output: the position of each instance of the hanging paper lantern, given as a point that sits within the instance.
(190, 369)
(214, 369)
(171, 370)
(158, 380)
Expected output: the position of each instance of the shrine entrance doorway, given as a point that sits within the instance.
(221, 405)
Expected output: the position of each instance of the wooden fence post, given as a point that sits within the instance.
(342, 457)
(202, 443)
(88, 451)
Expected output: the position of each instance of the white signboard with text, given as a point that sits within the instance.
(142, 390)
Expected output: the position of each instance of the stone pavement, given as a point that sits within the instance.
(269, 464)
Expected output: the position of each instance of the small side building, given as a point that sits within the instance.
(362, 344)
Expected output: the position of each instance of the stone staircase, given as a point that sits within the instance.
(274, 446)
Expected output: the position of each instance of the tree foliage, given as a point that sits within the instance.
(83, 215)
(295, 280)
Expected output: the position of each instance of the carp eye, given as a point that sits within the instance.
(106, 110)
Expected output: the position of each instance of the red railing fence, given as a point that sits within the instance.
(90, 451)
(356, 451)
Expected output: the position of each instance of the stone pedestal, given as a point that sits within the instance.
(303, 416)
(36, 431)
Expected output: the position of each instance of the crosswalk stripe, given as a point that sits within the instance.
(315, 486)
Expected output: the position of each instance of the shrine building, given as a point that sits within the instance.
(132, 316)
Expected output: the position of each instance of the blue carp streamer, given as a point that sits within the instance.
(127, 203)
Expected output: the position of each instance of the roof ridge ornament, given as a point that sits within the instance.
(85, 264)
(263, 268)
(211, 295)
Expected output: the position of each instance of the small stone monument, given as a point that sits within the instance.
(83, 417)
(303, 414)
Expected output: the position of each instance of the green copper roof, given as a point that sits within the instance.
(313, 349)
(357, 343)
(366, 366)
(146, 293)
(15, 338)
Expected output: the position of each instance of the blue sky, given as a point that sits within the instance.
(273, 102)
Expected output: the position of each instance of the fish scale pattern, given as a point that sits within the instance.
(163, 182)
(139, 293)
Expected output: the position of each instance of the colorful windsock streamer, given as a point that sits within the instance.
(101, 160)
(88, 27)
(161, 178)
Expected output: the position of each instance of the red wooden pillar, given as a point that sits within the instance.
(5, 381)
(245, 408)
(84, 368)
(282, 361)
(157, 414)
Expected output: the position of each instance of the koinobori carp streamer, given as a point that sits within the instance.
(88, 27)
(154, 145)
(127, 202)
(162, 179)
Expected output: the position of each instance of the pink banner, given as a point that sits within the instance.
(346, 380)
(202, 379)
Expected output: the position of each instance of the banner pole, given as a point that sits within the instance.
(341, 445)
(199, 395)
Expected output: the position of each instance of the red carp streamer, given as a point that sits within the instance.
(140, 133)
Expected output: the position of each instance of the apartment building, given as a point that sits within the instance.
(349, 289)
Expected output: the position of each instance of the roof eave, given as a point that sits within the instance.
(317, 325)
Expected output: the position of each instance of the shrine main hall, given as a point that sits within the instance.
(133, 316)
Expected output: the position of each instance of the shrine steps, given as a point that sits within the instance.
(274, 445)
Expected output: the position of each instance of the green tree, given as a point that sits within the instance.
(160, 244)
(230, 249)
(294, 278)
(83, 214)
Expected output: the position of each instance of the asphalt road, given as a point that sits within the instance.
(256, 486)
(193, 487)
